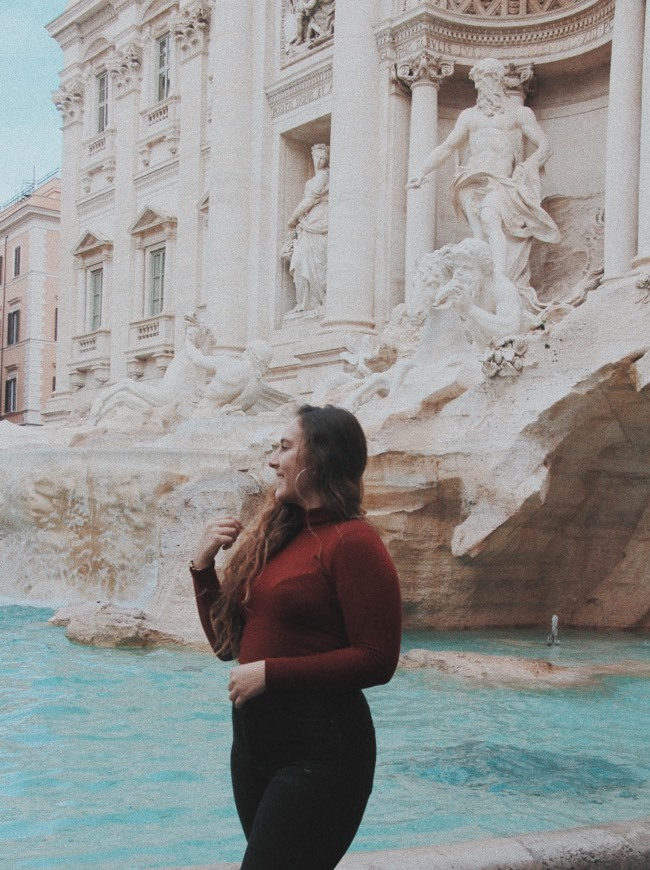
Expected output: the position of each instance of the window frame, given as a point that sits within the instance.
(10, 404)
(13, 327)
(102, 93)
(16, 261)
(94, 296)
(163, 66)
(156, 279)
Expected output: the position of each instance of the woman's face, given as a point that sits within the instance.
(289, 461)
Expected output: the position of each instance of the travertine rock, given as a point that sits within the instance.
(516, 499)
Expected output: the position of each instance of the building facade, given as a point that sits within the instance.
(29, 275)
(188, 130)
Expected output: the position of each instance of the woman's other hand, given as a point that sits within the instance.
(246, 682)
(219, 533)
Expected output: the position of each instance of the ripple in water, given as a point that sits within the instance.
(119, 758)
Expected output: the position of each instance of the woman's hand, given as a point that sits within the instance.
(246, 682)
(219, 533)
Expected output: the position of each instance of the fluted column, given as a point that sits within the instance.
(70, 103)
(227, 261)
(424, 76)
(623, 138)
(643, 252)
(354, 170)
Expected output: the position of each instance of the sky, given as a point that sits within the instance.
(30, 62)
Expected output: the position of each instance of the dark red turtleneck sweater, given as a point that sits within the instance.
(324, 613)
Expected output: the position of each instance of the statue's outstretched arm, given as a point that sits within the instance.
(209, 363)
(444, 151)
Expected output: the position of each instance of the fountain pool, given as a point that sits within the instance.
(118, 758)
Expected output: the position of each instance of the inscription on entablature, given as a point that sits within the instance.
(433, 31)
(299, 92)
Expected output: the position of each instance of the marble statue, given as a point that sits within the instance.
(314, 21)
(237, 383)
(464, 305)
(182, 377)
(487, 302)
(306, 245)
(495, 188)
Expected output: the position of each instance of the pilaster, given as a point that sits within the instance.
(623, 138)
(227, 261)
(354, 169)
(643, 251)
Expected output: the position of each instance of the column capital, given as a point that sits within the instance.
(125, 68)
(190, 29)
(426, 69)
(69, 100)
(519, 80)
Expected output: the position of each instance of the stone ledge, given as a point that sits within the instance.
(618, 846)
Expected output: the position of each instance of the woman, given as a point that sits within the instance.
(310, 606)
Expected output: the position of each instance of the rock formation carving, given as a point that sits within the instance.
(306, 244)
(495, 188)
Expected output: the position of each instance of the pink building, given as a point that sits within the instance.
(29, 281)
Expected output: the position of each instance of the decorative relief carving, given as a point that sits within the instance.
(643, 284)
(498, 8)
(505, 358)
(125, 68)
(506, 37)
(69, 100)
(297, 92)
(306, 25)
(105, 169)
(190, 28)
(424, 69)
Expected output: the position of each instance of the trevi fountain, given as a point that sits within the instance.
(450, 225)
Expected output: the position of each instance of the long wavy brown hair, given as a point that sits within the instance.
(335, 453)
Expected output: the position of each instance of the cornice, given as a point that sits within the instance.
(300, 89)
(545, 37)
(83, 19)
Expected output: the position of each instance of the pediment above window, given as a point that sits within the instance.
(91, 245)
(151, 221)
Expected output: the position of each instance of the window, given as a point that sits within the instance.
(95, 286)
(16, 261)
(164, 60)
(10, 395)
(56, 323)
(2, 269)
(156, 281)
(102, 102)
(13, 327)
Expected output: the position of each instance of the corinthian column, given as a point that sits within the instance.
(623, 137)
(644, 175)
(354, 171)
(227, 265)
(424, 76)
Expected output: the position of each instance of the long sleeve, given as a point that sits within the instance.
(206, 592)
(364, 580)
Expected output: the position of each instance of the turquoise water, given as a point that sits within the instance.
(118, 758)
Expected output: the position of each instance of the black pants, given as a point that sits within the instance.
(302, 772)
